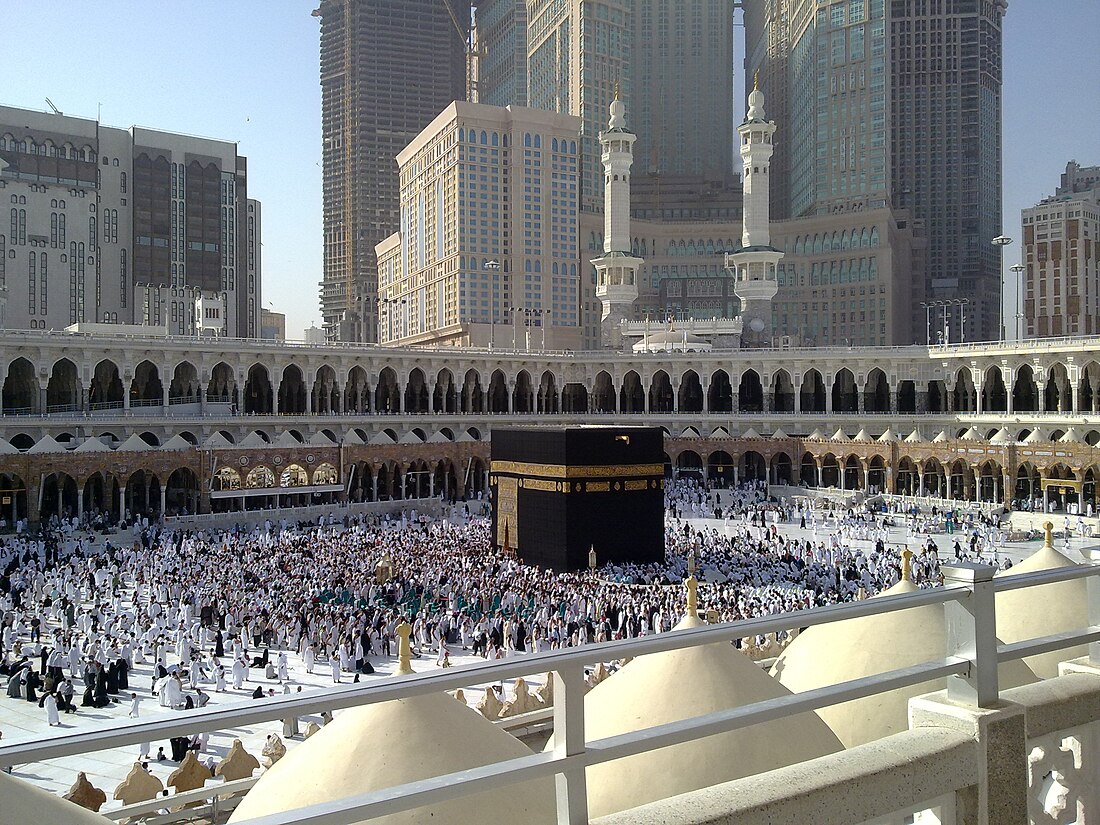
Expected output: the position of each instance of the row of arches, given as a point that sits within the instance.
(1058, 488)
(62, 495)
(291, 391)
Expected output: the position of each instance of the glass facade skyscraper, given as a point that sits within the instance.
(898, 103)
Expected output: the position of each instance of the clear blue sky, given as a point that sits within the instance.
(246, 70)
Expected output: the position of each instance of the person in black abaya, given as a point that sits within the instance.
(112, 677)
(123, 676)
(32, 682)
(219, 645)
(101, 697)
(179, 747)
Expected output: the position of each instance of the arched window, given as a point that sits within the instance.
(496, 139)
(484, 138)
(874, 236)
(554, 145)
(527, 139)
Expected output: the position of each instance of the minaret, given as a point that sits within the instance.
(616, 269)
(754, 265)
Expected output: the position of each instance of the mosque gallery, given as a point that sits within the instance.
(567, 498)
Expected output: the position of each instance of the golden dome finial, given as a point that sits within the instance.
(1048, 530)
(692, 585)
(404, 649)
(756, 81)
(616, 90)
(906, 564)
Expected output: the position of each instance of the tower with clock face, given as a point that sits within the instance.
(754, 265)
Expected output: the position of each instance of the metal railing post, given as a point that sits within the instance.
(570, 786)
(970, 624)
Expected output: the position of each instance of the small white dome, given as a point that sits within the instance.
(24, 802)
(853, 648)
(393, 743)
(669, 687)
(1043, 610)
(618, 115)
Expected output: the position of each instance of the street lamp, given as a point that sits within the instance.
(1017, 270)
(495, 267)
(927, 322)
(1001, 241)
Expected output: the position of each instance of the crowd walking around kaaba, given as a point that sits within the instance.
(201, 610)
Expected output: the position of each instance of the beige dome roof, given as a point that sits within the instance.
(831, 653)
(393, 743)
(669, 687)
(1044, 610)
(24, 803)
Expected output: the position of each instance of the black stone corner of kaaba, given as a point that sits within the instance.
(559, 492)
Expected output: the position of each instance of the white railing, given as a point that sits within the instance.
(970, 665)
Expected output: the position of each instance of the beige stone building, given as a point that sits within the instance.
(487, 251)
(1061, 276)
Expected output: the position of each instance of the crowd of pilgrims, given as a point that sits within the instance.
(202, 608)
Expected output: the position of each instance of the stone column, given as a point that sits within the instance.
(1000, 795)
(79, 500)
(41, 398)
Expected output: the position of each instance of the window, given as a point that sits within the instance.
(123, 288)
(42, 291)
(122, 183)
(32, 304)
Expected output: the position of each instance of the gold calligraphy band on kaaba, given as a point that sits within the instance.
(578, 471)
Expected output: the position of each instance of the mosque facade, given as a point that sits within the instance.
(95, 421)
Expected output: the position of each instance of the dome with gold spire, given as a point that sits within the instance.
(1044, 610)
(837, 652)
(393, 743)
(677, 685)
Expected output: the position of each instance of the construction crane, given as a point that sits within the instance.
(468, 35)
(53, 108)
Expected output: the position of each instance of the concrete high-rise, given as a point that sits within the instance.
(1061, 259)
(894, 104)
(487, 250)
(387, 69)
(126, 226)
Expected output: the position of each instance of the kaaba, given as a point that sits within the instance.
(559, 492)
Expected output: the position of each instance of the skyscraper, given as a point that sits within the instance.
(894, 104)
(673, 63)
(387, 69)
(578, 52)
(502, 41)
(126, 226)
(682, 88)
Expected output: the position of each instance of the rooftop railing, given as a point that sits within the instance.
(970, 667)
